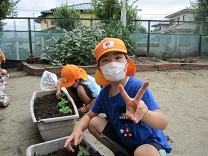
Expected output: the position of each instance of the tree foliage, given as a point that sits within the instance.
(7, 10)
(106, 9)
(118, 30)
(201, 10)
(65, 12)
(201, 13)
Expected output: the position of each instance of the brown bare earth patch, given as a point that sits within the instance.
(157, 60)
(47, 107)
(154, 60)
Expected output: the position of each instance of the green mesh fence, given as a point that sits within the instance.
(155, 38)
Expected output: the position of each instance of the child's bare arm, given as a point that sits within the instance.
(2, 57)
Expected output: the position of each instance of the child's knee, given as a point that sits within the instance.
(3, 72)
(92, 123)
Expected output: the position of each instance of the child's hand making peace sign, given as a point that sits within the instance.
(136, 109)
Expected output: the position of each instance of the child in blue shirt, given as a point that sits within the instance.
(134, 123)
(81, 87)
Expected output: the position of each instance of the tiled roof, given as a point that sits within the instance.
(83, 6)
(179, 12)
(184, 27)
(160, 23)
(80, 7)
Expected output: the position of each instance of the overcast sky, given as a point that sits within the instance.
(151, 9)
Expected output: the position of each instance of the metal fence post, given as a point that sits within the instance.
(200, 37)
(30, 35)
(148, 37)
(91, 22)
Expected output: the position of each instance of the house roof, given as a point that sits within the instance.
(180, 12)
(160, 23)
(80, 7)
(183, 27)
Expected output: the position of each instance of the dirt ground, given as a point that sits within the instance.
(156, 60)
(182, 96)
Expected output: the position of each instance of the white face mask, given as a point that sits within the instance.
(114, 71)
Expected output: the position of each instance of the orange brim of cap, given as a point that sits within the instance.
(100, 79)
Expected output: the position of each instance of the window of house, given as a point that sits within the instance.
(171, 22)
(53, 22)
(178, 19)
(184, 17)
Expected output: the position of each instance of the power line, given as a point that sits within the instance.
(27, 10)
(154, 14)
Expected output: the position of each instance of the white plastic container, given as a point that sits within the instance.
(54, 145)
(57, 127)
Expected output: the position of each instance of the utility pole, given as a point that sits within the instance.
(123, 12)
(16, 40)
(34, 21)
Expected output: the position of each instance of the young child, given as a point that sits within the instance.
(134, 123)
(81, 86)
(2, 59)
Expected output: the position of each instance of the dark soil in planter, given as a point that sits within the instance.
(46, 107)
(64, 152)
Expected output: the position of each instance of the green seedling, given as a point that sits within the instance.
(83, 151)
(64, 109)
(61, 95)
(63, 102)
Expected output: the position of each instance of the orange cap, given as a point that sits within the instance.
(70, 73)
(111, 45)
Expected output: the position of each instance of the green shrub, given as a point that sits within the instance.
(75, 47)
(118, 30)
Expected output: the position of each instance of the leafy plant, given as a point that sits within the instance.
(64, 109)
(61, 95)
(118, 30)
(74, 47)
(65, 12)
(83, 151)
(77, 46)
(63, 102)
